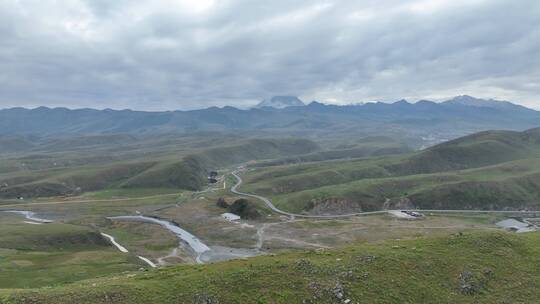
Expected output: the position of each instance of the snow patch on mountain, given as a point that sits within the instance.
(280, 102)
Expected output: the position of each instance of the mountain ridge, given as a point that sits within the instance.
(487, 103)
(422, 119)
(465, 100)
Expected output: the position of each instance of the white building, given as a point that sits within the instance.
(230, 217)
(515, 225)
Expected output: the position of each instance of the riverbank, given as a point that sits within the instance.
(202, 252)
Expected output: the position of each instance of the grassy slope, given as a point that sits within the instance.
(184, 172)
(364, 147)
(487, 170)
(45, 255)
(495, 187)
(191, 172)
(503, 269)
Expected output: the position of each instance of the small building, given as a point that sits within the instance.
(413, 213)
(230, 216)
(516, 226)
(406, 214)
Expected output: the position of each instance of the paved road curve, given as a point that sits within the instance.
(234, 189)
(275, 209)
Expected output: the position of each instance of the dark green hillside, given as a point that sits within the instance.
(183, 172)
(191, 172)
(69, 182)
(487, 170)
(477, 150)
(461, 268)
(514, 192)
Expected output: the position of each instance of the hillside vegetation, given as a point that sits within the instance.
(462, 268)
(473, 151)
(43, 255)
(487, 170)
(364, 147)
(184, 172)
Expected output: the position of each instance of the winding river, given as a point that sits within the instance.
(203, 252)
(196, 245)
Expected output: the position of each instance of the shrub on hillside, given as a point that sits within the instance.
(245, 209)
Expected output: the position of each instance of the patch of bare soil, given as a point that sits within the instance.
(333, 206)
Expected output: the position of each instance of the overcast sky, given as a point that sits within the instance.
(185, 54)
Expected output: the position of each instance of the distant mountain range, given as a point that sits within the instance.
(281, 102)
(485, 103)
(285, 115)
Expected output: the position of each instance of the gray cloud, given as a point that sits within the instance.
(182, 54)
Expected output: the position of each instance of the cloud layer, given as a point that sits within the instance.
(184, 54)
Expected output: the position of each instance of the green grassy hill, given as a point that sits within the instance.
(463, 268)
(487, 170)
(473, 151)
(353, 148)
(191, 172)
(188, 170)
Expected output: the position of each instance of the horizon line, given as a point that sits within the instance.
(361, 103)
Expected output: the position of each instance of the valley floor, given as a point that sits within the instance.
(37, 259)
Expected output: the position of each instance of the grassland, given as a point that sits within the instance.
(196, 212)
(167, 166)
(149, 241)
(391, 261)
(54, 254)
(461, 268)
(490, 170)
